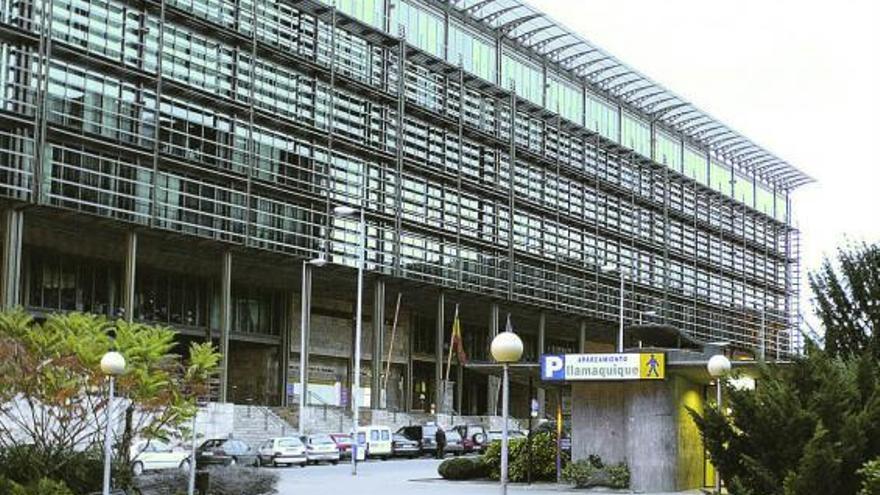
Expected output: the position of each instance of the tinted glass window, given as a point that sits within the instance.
(385, 435)
(374, 435)
(321, 440)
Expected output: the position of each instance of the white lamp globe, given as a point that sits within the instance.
(507, 347)
(718, 365)
(113, 363)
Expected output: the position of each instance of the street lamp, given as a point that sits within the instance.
(610, 268)
(303, 337)
(718, 366)
(112, 365)
(348, 211)
(506, 348)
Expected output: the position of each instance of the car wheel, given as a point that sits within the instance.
(334, 462)
(303, 464)
(184, 465)
(137, 468)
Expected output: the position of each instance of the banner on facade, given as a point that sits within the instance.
(603, 367)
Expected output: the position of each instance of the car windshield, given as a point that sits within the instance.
(341, 438)
(400, 438)
(289, 442)
(212, 444)
(429, 431)
(321, 440)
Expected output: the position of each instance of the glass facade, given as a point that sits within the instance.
(240, 122)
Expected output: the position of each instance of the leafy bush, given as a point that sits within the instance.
(542, 461)
(579, 473)
(81, 471)
(232, 480)
(618, 475)
(870, 477)
(463, 468)
(592, 472)
(40, 487)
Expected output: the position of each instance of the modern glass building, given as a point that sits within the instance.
(177, 161)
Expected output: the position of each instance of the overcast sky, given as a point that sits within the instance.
(799, 77)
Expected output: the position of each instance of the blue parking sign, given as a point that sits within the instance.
(552, 367)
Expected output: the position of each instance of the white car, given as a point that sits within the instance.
(284, 450)
(153, 455)
(321, 448)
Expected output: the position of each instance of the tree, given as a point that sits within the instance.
(811, 426)
(807, 428)
(53, 396)
(848, 302)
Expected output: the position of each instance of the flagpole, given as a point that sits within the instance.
(451, 346)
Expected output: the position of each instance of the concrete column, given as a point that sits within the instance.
(582, 337)
(225, 322)
(542, 348)
(305, 328)
(376, 391)
(438, 352)
(284, 348)
(131, 243)
(10, 285)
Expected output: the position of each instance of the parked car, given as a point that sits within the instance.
(320, 448)
(225, 452)
(153, 455)
(378, 440)
(454, 444)
(495, 435)
(404, 447)
(343, 444)
(283, 450)
(424, 435)
(473, 436)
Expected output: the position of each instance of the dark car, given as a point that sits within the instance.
(225, 452)
(404, 447)
(454, 443)
(473, 437)
(343, 443)
(423, 435)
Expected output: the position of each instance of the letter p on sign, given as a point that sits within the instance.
(552, 367)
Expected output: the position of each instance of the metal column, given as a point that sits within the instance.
(131, 242)
(541, 395)
(438, 354)
(492, 382)
(225, 322)
(378, 344)
(10, 285)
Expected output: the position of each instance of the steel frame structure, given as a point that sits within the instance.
(291, 105)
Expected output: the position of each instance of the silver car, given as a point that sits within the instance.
(320, 448)
(282, 451)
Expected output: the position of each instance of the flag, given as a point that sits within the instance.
(457, 342)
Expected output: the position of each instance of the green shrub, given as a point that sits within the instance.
(463, 468)
(542, 461)
(579, 473)
(40, 487)
(586, 473)
(232, 480)
(618, 475)
(82, 472)
(870, 473)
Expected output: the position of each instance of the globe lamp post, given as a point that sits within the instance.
(506, 348)
(718, 367)
(112, 365)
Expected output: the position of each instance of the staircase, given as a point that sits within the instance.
(255, 424)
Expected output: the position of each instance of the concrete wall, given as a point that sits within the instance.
(644, 424)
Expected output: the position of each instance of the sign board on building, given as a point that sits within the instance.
(603, 367)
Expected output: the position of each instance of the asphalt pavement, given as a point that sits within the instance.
(401, 477)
